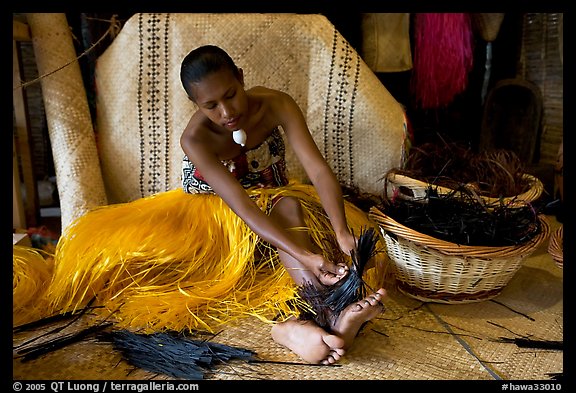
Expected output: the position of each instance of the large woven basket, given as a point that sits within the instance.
(434, 270)
(411, 189)
(556, 246)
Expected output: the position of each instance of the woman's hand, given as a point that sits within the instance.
(347, 242)
(327, 272)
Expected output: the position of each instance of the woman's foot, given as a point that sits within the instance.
(309, 341)
(314, 345)
(356, 314)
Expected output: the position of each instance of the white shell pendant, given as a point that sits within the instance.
(239, 137)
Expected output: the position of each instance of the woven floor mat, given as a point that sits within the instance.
(410, 341)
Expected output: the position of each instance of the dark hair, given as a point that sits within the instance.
(203, 61)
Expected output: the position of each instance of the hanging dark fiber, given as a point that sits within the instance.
(327, 302)
(173, 353)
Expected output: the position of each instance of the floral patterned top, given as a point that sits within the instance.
(261, 166)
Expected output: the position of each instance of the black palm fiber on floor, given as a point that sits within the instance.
(55, 339)
(174, 354)
(35, 351)
(327, 302)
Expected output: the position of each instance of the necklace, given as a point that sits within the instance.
(239, 137)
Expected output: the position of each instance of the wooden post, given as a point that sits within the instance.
(22, 136)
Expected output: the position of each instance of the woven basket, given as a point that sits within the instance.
(556, 246)
(434, 270)
(408, 188)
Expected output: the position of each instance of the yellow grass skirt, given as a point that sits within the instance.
(31, 270)
(182, 262)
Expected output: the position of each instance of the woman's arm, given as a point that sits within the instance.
(231, 191)
(317, 169)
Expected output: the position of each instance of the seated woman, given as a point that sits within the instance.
(200, 257)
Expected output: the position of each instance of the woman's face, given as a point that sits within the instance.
(222, 98)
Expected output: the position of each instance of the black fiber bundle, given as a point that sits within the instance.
(327, 302)
(55, 339)
(463, 218)
(174, 354)
(32, 352)
(523, 342)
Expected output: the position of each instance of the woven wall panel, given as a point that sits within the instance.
(142, 107)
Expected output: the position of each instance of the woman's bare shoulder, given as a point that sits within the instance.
(275, 100)
(196, 132)
(267, 93)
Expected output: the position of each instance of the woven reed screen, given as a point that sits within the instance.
(541, 63)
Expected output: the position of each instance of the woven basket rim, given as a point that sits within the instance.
(535, 191)
(453, 249)
(555, 246)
